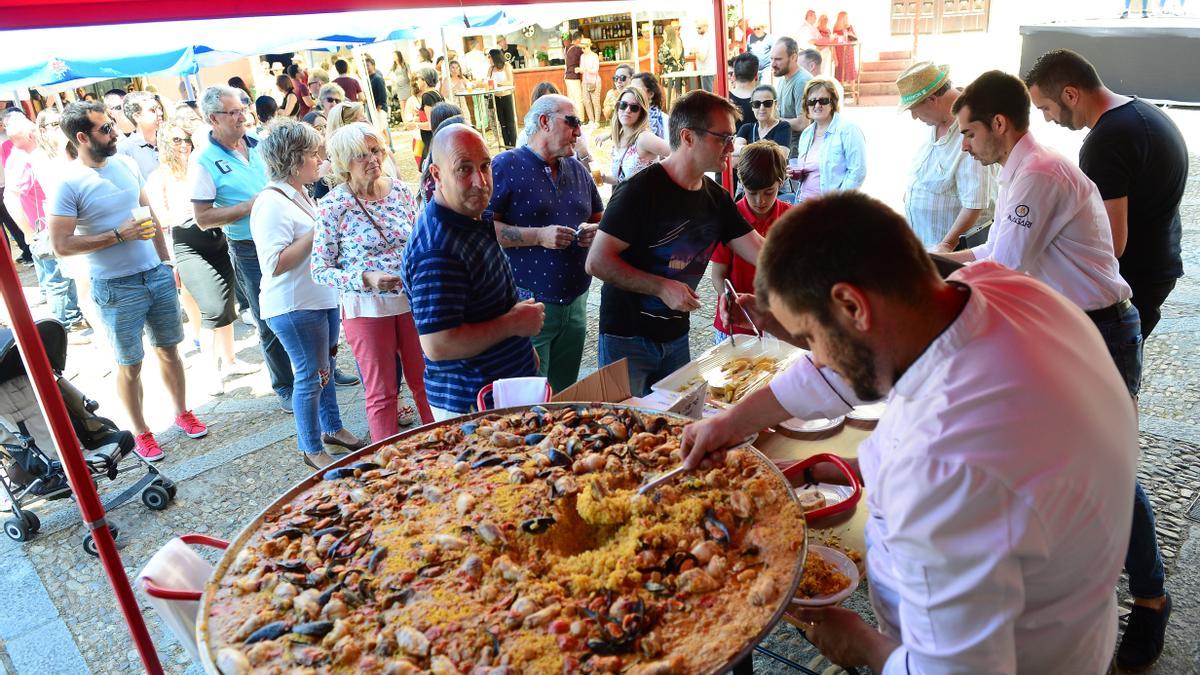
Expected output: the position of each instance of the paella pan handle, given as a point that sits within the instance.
(852, 480)
(156, 591)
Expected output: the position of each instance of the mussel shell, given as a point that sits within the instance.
(289, 532)
(490, 460)
(537, 525)
(469, 428)
(715, 529)
(313, 628)
(534, 438)
(270, 631)
(376, 557)
(335, 530)
(340, 472)
(558, 458)
(655, 587)
(364, 466)
(293, 565)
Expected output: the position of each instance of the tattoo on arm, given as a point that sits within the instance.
(511, 234)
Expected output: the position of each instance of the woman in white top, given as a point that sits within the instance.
(501, 74)
(203, 268)
(302, 313)
(362, 228)
(635, 147)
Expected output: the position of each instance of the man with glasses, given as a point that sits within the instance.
(620, 79)
(329, 96)
(785, 65)
(94, 213)
(656, 238)
(546, 207)
(225, 178)
(146, 113)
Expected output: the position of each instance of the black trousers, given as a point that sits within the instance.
(14, 230)
(1149, 297)
(508, 119)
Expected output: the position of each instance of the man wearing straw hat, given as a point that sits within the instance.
(948, 190)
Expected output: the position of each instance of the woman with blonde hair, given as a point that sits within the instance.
(203, 269)
(635, 147)
(302, 313)
(363, 226)
(347, 112)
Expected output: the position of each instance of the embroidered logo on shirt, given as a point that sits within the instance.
(223, 166)
(1018, 216)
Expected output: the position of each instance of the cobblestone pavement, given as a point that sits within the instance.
(59, 615)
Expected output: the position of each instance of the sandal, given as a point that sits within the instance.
(405, 415)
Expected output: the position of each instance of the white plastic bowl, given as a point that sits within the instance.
(844, 564)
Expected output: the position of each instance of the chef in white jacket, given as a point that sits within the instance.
(998, 481)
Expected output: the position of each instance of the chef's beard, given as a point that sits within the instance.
(854, 361)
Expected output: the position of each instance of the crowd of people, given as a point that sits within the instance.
(982, 553)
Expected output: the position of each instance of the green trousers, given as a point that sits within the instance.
(560, 344)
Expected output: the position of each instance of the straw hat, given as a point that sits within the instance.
(919, 81)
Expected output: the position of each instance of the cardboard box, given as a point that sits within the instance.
(610, 384)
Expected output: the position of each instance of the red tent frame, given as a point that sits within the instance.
(24, 14)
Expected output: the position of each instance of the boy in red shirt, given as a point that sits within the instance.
(761, 169)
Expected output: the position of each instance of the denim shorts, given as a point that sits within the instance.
(137, 303)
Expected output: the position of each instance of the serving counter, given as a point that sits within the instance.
(526, 79)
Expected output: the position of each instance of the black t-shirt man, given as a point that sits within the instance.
(671, 233)
(379, 90)
(1136, 151)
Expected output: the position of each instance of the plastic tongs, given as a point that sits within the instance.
(797, 468)
(731, 299)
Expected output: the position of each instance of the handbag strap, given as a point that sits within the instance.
(309, 213)
(378, 230)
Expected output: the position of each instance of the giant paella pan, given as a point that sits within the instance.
(512, 541)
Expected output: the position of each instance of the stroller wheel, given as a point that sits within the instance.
(156, 497)
(31, 521)
(89, 542)
(17, 530)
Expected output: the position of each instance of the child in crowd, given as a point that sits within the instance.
(761, 169)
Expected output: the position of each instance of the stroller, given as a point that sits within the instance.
(27, 474)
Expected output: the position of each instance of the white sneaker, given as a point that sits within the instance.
(238, 368)
(247, 318)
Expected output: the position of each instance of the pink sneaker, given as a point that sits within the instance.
(147, 448)
(190, 425)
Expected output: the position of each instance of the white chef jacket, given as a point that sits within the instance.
(998, 486)
(1051, 223)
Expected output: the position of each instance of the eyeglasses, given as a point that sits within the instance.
(762, 104)
(239, 112)
(824, 100)
(725, 139)
(50, 124)
(631, 107)
(571, 120)
(330, 99)
(375, 152)
(180, 141)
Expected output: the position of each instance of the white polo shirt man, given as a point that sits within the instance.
(1051, 223)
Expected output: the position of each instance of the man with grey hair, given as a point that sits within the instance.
(546, 209)
(474, 327)
(144, 111)
(225, 177)
(791, 79)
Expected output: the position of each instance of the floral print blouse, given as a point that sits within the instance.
(346, 244)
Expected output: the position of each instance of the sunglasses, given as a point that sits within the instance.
(620, 78)
(181, 141)
(725, 139)
(762, 104)
(106, 128)
(631, 107)
(824, 100)
(571, 120)
(330, 99)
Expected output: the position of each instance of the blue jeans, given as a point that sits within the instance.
(60, 291)
(1123, 337)
(649, 361)
(307, 335)
(249, 277)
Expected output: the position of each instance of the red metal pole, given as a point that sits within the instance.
(37, 366)
(721, 84)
